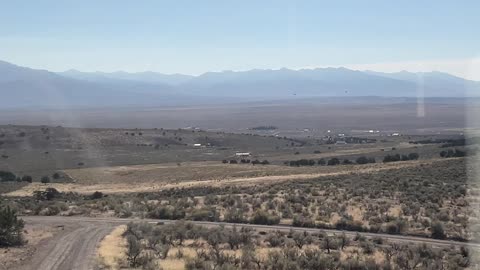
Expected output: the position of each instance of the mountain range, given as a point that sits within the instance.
(24, 87)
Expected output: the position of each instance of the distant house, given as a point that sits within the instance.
(396, 134)
(242, 154)
(340, 142)
(197, 145)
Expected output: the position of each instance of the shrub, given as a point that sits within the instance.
(166, 212)
(275, 239)
(56, 175)
(204, 214)
(10, 228)
(264, 218)
(438, 231)
(48, 194)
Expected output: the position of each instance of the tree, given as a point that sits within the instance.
(392, 158)
(322, 162)
(27, 178)
(10, 228)
(56, 175)
(302, 239)
(134, 249)
(413, 156)
(362, 160)
(347, 162)
(97, 195)
(48, 194)
(333, 161)
(343, 240)
(328, 243)
(45, 179)
(234, 238)
(7, 176)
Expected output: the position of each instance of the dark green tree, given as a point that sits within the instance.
(10, 228)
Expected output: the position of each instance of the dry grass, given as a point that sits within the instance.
(112, 248)
(356, 213)
(395, 211)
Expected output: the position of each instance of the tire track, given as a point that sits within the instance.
(61, 250)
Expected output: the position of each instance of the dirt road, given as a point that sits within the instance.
(75, 246)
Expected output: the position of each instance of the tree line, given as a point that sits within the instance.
(330, 162)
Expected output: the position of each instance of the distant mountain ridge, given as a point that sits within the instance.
(23, 87)
(147, 76)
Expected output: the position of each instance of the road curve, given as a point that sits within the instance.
(75, 246)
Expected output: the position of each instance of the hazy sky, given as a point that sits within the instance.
(197, 36)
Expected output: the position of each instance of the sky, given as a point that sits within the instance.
(193, 37)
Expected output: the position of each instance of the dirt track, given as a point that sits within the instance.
(75, 246)
(72, 248)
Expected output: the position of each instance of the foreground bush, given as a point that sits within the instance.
(10, 228)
